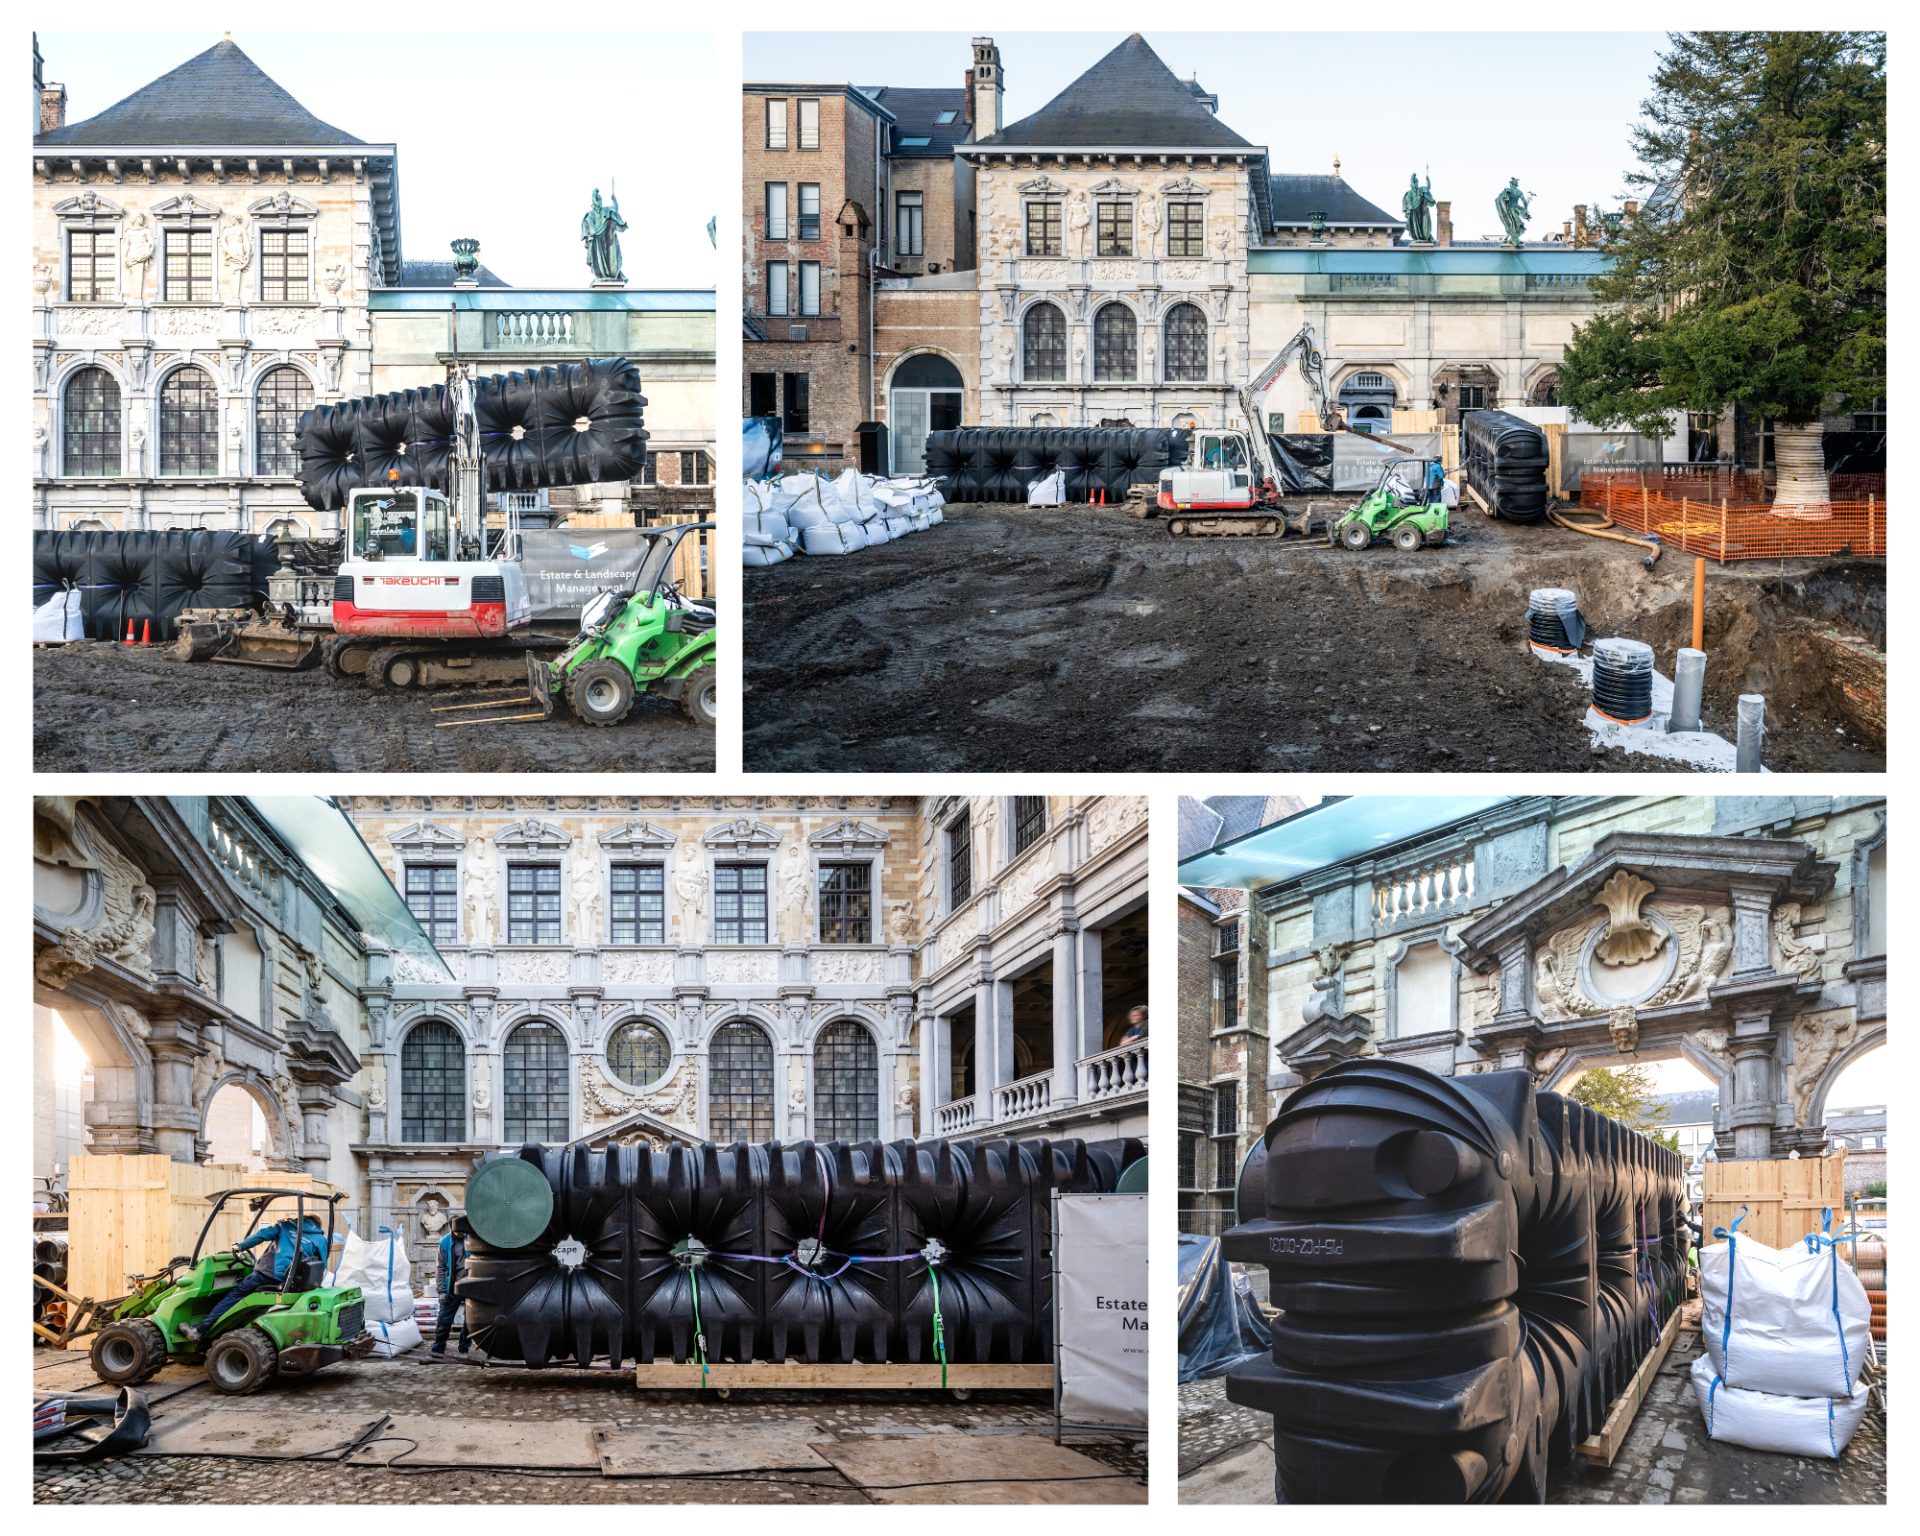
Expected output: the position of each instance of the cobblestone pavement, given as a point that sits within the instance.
(358, 1391)
(1667, 1458)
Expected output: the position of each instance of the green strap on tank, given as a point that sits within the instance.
(699, 1333)
(939, 1327)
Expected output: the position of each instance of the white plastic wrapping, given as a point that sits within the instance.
(1766, 1421)
(809, 514)
(1799, 1318)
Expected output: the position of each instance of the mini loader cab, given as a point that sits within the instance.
(290, 1327)
(1408, 504)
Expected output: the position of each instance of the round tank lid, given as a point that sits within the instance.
(1133, 1179)
(509, 1202)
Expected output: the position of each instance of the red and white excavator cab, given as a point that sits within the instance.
(403, 574)
(1221, 471)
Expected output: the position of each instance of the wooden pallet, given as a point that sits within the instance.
(761, 1374)
(1601, 1448)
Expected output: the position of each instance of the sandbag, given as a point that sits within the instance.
(389, 1339)
(1798, 1319)
(1765, 1421)
(58, 618)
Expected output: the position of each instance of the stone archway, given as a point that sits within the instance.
(282, 1119)
(1864, 1043)
(120, 1117)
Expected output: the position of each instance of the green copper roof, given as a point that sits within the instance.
(1444, 262)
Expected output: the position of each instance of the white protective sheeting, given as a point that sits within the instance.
(58, 618)
(1102, 1280)
(379, 1267)
(1799, 1317)
(765, 554)
(1766, 1421)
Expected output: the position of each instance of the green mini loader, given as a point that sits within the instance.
(1407, 504)
(290, 1332)
(648, 639)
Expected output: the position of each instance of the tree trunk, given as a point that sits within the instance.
(1801, 487)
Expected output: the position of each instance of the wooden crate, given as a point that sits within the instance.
(1556, 435)
(1449, 448)
(1783, 1198)
(1416, 421)
(129, 1215)
(1309, 422)
(600, 520)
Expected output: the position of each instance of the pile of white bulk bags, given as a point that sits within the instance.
(811, 514)
(379, 1266)
(1786, 1332)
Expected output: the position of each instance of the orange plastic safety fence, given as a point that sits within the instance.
(1719, 514)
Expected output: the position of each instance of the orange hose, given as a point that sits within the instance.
(1618, 538)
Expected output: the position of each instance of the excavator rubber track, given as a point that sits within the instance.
(404, 666)
(1267, 522)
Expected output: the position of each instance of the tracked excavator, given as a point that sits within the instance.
(1231, 484)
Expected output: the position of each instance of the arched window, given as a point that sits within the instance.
(536, 1084)
(1186, 345)
(433, 1085)
(189, 424)
(283, 394)
(1115, 345)
(1046, 345)
(91, 418)
(740, 1085)
(846, 1084)
(638, 1054)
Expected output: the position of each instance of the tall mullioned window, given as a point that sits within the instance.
(846, 903)
(1116, 338)
(1186, 229)
(283, 266)
(740, 904)
(846, 1084)
(1186, 350)
(91, 277)
(533, 904)
(639, 903)
(1045, 335)
(433, 1084)
(960, 861)
(433, 895)
(1115, 229)
(535, 1066)
(284, 395)
(189, 423)
(90, 423)
(1029, 821)
(740, 1085)
(1043, 229)
(187, 267)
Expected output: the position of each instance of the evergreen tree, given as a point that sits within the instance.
(1625, 1094)
(1755, 272)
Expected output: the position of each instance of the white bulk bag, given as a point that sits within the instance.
(921, 522)
(757, 496)
(900, 527)
(807, 508)
(1050, 492)
(390, 1338)
(1799, 1317)
(58, 618)
(1766, 1421)
(832, 539)
(846, 499)
(764, 554)
(764, 527)
(381, 1270)
(876, 532)
(936, 516)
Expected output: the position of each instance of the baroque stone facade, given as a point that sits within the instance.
(1745, 934)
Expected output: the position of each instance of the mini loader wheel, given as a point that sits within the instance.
(242, 1361)
(127, 1353)
(1355, 534)
(1408, 538)
(601, 692)
(701, 699)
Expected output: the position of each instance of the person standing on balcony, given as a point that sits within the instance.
(1136, 1025)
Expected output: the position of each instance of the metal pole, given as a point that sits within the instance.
(1689, 679)
(1054, 1202)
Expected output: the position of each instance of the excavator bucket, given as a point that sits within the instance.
(276, 646)
(200, 639)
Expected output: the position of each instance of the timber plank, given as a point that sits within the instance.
(1600, 1449)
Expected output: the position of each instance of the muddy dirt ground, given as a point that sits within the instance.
(113, 708)
(1083, 638)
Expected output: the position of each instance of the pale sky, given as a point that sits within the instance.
(1387, 103)
(502, 136)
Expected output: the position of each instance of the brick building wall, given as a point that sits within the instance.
(941, 320)
(946, 219)
(828, 350)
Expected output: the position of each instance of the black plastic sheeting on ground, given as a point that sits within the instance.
(569, 424)
(777, 1226)
(1220, 1322)
(1505, 458)
(999, 463)
(1469, 1273)
(145, 577)
(1305, 460)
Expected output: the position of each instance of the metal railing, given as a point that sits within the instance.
(533, 328)
(1112, 1073)
(1028, 1096)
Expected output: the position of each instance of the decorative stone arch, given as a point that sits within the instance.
(1870, 1039)
(283, 1121)
(1451, 376)
(618, 1016)
(113, 1042)
(1690, 1048)
(1345, 374)
(945, 356)
(66, 367)
(1538, 380)
(509, 1016)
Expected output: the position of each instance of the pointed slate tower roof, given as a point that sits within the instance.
(219, 97)
(1129, 100)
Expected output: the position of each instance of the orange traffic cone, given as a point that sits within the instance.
(146, 631)
(129, 639)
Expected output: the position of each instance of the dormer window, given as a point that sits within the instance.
(946, 117)
(920, 141)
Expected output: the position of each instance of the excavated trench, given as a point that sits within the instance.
(1082, 638)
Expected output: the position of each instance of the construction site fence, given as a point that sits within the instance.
(1714, 514)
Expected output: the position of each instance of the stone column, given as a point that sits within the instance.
(1066, 1015)
(176, 1123)
(1751, 1118)
(933, 1076)
(316, 1103)
(382, 1085)
(1752, 912)
(992, 1043)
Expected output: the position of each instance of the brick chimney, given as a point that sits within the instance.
(1579, 224)
(1443, 223)
(53, 107)
(989, 87)
(1633, 207)
(1566, 231)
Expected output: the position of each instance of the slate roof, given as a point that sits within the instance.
(439, 274)
(217, 97)
(914, 110)
(1691, 1106)
(1130, 99)
(1199, 826)
(1294, 197)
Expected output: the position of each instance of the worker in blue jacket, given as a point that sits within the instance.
(453, 1268)
(271, 1268)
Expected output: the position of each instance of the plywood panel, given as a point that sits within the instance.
(1784, 1198)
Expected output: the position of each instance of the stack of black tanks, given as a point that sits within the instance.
(1468, 1273)
(829, 1252)
(1000, 463)
(1505, 459)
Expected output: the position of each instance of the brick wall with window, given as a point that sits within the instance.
(807, 286)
